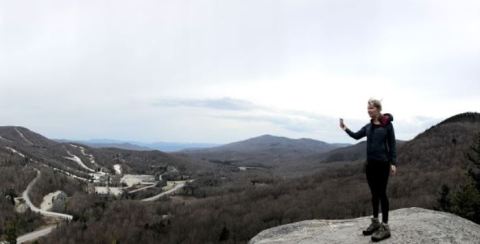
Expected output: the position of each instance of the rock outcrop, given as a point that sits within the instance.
(54, 201)
(407, 225)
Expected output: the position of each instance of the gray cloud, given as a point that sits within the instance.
(249, 112)
(224, 103)
(246, 112)
(278, 120)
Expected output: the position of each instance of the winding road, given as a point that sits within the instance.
(38, 210)
(44, 231)
(36, 234)
(143, 188)
(176, 187)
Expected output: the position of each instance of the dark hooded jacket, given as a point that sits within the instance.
(381, 144)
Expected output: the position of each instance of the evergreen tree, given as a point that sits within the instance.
(466, 201)
(224, 235)
(443, 201)
(474, 167)
(11, 233)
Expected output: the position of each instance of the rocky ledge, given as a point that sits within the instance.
(407, 225)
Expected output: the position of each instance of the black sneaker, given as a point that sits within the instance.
(382, 233)
(375, 225)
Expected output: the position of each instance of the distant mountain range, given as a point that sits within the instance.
(265, 151)
(80, 159)
(273, 143)
(280, 154)
(140, 146)
(297, 155)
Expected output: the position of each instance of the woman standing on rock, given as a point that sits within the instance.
(381, 161)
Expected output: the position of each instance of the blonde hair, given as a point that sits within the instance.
(375, 103)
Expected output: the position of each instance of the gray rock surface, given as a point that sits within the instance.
(407, 225)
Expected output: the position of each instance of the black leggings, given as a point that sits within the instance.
(377, 177)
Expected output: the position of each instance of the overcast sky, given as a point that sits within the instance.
(226, 70)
